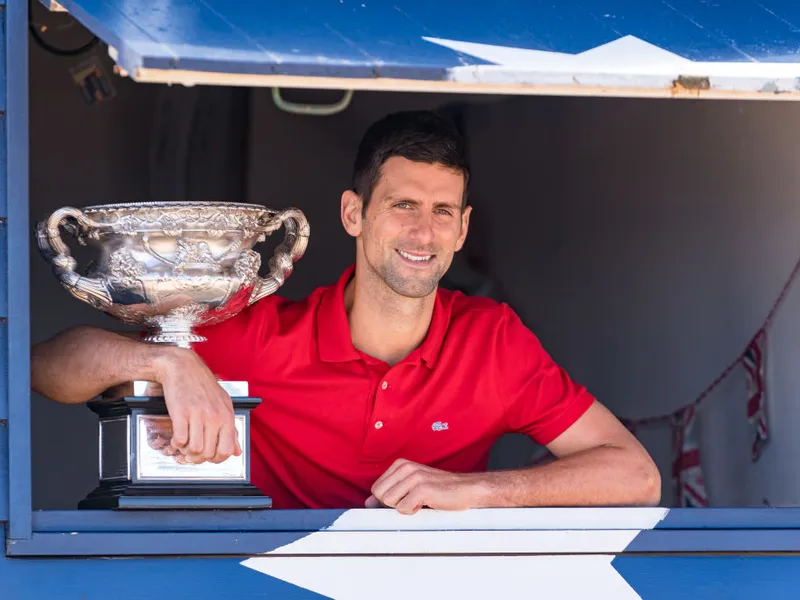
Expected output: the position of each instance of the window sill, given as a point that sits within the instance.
(365, 532)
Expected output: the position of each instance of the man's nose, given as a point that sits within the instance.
(422, 228)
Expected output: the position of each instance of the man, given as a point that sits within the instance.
(380, 389)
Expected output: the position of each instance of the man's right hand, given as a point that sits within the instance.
(201, 411)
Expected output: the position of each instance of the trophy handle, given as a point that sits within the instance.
(290, 250)
(90, 290)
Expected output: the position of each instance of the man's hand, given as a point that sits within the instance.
(201, 411)
(408, 486)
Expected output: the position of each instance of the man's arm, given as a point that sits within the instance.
(78, 364)
(600, 463)
(82, 362)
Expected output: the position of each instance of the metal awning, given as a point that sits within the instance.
(705, 48)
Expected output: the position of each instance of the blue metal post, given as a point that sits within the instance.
(16, 271)
(3, 281)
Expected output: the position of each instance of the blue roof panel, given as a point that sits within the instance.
(438, 39)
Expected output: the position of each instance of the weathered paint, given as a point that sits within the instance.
(506, 578)
(497, 557)
(623, 47)
(378, 532)
(533, 519)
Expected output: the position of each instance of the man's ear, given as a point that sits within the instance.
(351, 212)
(464, 227)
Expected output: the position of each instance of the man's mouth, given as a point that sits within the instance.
(415, 257)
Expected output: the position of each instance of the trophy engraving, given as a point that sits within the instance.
(170, 267)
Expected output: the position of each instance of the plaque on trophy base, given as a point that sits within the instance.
(139, 469)
(170, 267)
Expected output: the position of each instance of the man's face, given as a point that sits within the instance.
(413, 225)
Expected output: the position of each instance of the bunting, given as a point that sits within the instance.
(687, 472)
(753, 361)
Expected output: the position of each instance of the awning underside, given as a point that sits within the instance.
(623, 47)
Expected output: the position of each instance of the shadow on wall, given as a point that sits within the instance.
(644, 241)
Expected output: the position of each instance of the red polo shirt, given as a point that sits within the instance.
(333, 419)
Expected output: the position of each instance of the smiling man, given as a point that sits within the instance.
(382, 388)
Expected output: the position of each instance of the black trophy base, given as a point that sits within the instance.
(166, 497)
(124, 450)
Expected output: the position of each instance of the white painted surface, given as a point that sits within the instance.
(459, 542)
(624, 54)
(493, 519)
(403, 578)
(627, 62)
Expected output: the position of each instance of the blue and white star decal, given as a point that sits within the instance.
(627, 62)
(478, 554)
(562, 553)
(574, 554)
(632, 47)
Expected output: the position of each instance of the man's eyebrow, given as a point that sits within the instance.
(449, 204)
(399, 197)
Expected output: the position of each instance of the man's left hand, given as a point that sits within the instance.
(408, 486)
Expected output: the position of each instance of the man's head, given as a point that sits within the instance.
(407, 209)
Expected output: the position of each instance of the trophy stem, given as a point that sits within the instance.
(180, 336)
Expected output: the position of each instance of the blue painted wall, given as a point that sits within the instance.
(4, 190)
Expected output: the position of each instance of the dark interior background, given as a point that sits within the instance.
(642, 240)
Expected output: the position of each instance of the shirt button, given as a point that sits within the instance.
(384, 385)
(378, 424)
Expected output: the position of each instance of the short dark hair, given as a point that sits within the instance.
(420, 136)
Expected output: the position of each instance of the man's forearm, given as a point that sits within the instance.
(603, 476)
(82, 362)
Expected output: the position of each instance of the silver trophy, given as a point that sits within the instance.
(170, 267)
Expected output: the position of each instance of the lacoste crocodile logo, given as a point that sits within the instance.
(439, 426)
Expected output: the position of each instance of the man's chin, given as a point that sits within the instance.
(412, 287)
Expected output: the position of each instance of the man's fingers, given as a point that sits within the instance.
(390, 471)
(201, 413)
(412, 502)
(398, 470)
(226, 444)
(381, 487)
(196, 435)
(238, 450)
(402, 487)
(372, 502)
(211, 438)
(180, 431)
(392, 489)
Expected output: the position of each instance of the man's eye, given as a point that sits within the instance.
(444, 211)
(402, 205)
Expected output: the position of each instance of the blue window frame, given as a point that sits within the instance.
(86, 533)
(15, 400)
(5, 187)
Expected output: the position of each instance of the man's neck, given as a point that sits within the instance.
(384, 324)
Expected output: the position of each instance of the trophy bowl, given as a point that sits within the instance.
(170, 267)
(173, 266)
